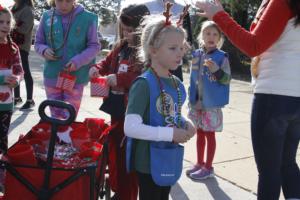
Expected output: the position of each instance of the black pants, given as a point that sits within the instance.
(275, 128)
(178, 72)
(5, 117)
(148, 190)
(27, 76)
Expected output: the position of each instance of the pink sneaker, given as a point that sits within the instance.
(202, 174)
(193, 169)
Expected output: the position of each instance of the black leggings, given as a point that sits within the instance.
(178, 72)
(148, 190)
(5, 117)
(27, 76)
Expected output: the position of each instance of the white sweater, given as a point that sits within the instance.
(279, 66)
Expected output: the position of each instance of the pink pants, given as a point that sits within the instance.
(74, 98)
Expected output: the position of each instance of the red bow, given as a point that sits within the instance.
(1, 7)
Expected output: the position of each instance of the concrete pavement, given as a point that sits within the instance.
(236, 175)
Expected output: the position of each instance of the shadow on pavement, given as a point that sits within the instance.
(18, 121)
(177, 193)
(214, 189)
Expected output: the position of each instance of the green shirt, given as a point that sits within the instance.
(139, 103)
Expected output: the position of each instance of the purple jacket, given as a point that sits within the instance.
(85, 56)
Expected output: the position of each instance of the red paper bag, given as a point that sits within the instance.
(65, 81)
(99, 87)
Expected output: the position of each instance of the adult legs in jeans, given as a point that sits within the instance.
(275, 138)
(290, 171)
(27, 76)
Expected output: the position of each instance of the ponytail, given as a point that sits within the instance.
(12, 47)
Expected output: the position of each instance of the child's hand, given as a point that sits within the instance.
(211, 65)
(49, 54)
(111, 80)
(70, 67)
(11, 80)
(180, 135)
(94, 72)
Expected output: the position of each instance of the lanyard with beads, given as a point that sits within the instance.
(163, 98)
(66, 34)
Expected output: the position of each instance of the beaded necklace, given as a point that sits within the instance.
(163, 98)
(65, 36)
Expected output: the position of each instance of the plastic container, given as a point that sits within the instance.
(65, 81)
(99, 87)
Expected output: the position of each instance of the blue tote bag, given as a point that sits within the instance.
(166, 160)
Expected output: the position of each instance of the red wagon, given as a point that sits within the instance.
(58, 171)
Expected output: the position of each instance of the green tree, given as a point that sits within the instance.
(106, 10)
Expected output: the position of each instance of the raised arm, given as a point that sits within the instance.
(263, 34)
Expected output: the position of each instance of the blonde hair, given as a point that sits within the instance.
(52, 3)
(210, 24)
(5, 10)
(153, 35)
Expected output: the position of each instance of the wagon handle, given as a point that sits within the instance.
(58, 104)
(45, 192)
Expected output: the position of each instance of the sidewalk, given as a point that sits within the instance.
(236, 175)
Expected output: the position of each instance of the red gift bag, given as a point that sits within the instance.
(22, 154)
(65, 81)
(99, 87)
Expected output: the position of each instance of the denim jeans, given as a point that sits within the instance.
(275, 128)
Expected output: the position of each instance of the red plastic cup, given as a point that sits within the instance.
(62, 128)
(42, 136)
(76, 125)
(99, 87)
(95, 126)
(41, 127)
(79, 136)
(22, 154)
(90, 150)
(34, 141)
(37, 144)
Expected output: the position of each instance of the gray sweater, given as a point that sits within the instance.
(24, 18)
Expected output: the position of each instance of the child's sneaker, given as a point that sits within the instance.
(202, 174)
(193, 169)
(28, 104)
(17, 100)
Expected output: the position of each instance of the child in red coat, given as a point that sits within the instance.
(120, 68)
